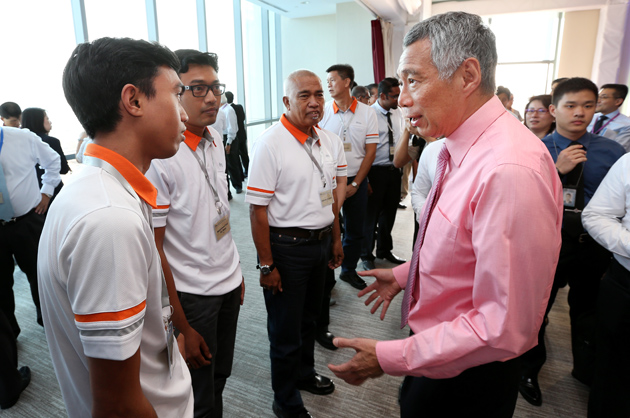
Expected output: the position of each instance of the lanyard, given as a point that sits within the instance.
(215, 194)
(581, 171)
(1, 138)
(309, 151)
(107, 167)
(345, 127)
(604, 125)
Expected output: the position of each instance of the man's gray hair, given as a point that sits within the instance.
(289, 82)
(455, 37)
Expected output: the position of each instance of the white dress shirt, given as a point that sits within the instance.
(606, 217)
(231, 126)
(424, 177)
(382, 149)
(21, 150)
(220, 123)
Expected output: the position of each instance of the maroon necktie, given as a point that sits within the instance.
(442, 161)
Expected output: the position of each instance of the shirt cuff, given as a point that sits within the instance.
(47, 189)
(401, 274)
(390, 355)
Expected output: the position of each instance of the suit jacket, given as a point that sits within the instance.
(240, 119)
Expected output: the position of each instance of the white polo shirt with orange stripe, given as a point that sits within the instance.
(201, 265)
(360, 125)
(100, 286)
(283, 177)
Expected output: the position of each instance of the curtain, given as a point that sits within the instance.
(378, 54)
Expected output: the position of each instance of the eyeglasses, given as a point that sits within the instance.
(201, 90)
(541, 110)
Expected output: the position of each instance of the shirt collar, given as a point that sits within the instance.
(193, 140)
(140, 184)
(378, 107)
(562, 142)
(352, 108)
(465, 136)
(299, 135)
(608, 115)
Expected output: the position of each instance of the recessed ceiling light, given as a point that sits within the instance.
(305, 2)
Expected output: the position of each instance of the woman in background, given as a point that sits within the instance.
(537, 116)
(36, 120)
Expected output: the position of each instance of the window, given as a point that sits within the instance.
(177, 24)
(116, 18)
(39, 39)
(220, 32)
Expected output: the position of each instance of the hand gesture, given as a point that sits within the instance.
(271, 281)
(197, 352)
(570, 157)
(384, 288)
(362, 366)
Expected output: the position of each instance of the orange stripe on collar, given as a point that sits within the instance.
(193, 140)
(352, 108)
(142, 186)
(299, 135)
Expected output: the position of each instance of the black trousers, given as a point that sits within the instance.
(381, 210)
(19, 239)
(486, 391)
(215, 318)
(9, 376)
(582, 264)
(243, 153)
(611, 386)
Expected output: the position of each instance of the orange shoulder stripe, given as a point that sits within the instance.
(255, 189)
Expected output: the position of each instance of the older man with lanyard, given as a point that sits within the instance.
(293, 214)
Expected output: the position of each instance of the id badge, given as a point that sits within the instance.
(347, 146)
(222, 227)
(170, 336)
(326, 197)
(569, 196)
(392, 150)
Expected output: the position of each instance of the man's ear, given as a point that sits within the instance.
(132, 100)
(619, 102)
(552, 110)
(285, 100)
(471, 75)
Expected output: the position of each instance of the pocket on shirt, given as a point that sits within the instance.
(438, 248)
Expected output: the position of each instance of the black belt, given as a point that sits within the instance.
(318, 234)
(13, 220)
(384, 167)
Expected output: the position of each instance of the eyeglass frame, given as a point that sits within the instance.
(541, 110)
(209, 87)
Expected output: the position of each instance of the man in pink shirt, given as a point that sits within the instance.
(492, 239)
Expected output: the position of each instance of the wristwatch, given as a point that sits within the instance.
(265, 270)
(354, 184)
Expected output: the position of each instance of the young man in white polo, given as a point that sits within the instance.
(105, 304)
(192, 231)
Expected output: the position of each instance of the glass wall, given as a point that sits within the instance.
(177, 24)
(527, 45)
(116, 18)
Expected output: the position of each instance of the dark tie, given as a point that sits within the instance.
(599, 123)
(391, 136)
(442, 161)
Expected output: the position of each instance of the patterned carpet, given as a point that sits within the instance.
(248, 392)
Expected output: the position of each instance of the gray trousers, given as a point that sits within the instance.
(215, 318)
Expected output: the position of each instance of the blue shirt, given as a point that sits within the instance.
(601, 154)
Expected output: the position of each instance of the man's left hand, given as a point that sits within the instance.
(362, 366)
(337, 255)
(43, 205)
(227, 149)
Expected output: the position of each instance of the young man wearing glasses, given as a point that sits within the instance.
(192, 231)
(608, 121)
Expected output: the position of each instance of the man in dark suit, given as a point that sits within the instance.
(241, 135)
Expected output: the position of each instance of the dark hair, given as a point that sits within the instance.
(621, 90)
(385, 86)
(33, 120)
(572, 85)
(371, 86)
(546, 101)
(189, 57)
(359, 91)
(559, 80)
(97, 71)
(10, 110)
(503, 90)
(344, 71)
(229, 96)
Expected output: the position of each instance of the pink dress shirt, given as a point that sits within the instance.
(489, 255)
